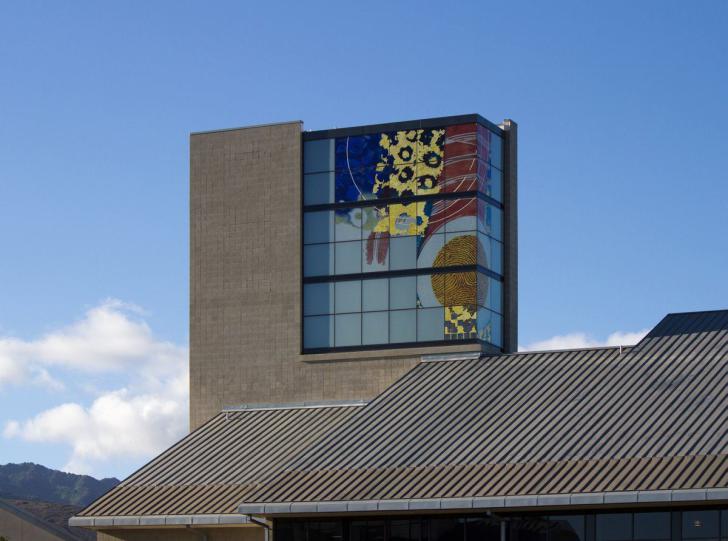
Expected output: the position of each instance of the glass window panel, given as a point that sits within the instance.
(430, 249)
(318, 227)
(460, 288)
(490, 220)
(348, 330)
(428, 176)
(328, 530)
(375, 220)
(348, 224)
(375, 253)
(318, 260)
(402, 253)
(447, 529)
(496, 151)
(318, 299)
(651, 526)
(490, 180)
(403, 219)
(425, 211)
(318, 188)
(430, 324)
(348, 296)
(318, 156)
(490, 293)
(358, 151)
(724, 524)
(461, 214)
(375, 328)
(402, 292)
(490, 327)
(533, 528)
(490, 253)
(402, 326)
(348, 257)
(405, 530)
(614, 527)
(567, 528)
(375, 295)
(290, 530)
(700, 524)
(482, 529)
(460, 249)
(429, 287)
(357, 184)
(318, 331)
(366, 530)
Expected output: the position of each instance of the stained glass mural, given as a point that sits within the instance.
(396, 206)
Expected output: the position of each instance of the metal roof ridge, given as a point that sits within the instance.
(296, 405)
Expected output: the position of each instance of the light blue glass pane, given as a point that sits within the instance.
(348, 330)
(490, 253)
(348, 257)
(496, 185)
(430, 250)
(490, 327)
(402, 292)
(375, 328)
(318, 260)
(375, 295)
(490, 220)
(426, 297)
(402, 326)
(461, 214)
(496, 151)
(318, 188)
(348, 224)
(318, 332)
(430, 324)
(318, 299)
(348, 296)
(318, 227)
(402, 253)
(490, 293)
(375, 253)
(318, 156)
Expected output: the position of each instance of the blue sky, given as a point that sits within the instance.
(622, 116)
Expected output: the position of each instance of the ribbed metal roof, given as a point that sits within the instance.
(650, 417)
(208, 471)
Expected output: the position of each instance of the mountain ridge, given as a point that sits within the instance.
(29, 481)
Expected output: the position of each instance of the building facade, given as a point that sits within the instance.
(324, 264)
(354, 374)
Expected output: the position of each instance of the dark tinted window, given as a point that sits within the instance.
(447, 529)
(566, 528)
(366, 530)
(700, 524)
(649, 526)
(614, 527)
(530, 529)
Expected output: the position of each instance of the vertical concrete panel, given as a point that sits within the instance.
(510, 263)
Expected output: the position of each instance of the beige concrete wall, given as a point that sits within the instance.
(184, 534)
(14, 528)
(245, 282)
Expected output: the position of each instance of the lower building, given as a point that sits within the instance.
(599, 444)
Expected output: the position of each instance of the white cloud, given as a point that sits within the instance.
(142, 416)
(583, 340)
